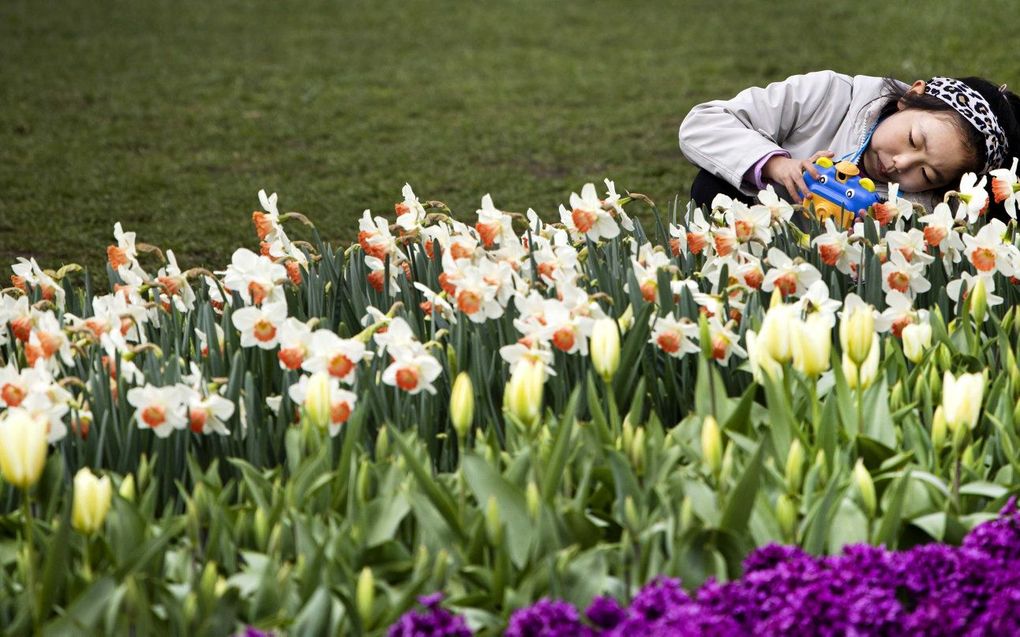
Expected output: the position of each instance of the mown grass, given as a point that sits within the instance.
(169, 116)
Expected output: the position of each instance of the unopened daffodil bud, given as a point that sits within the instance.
(811, 345)
(856, 332)
(462, 405)
(91, 501)
(318, 403)
(916, 341)
(523, 393)
(961, 399)
(23, 447)
(711, 445)
(605, 348)
(865, 488)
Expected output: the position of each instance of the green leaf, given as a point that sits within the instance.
(486, 482)
(83, 615)
(438, 495)
(849, 526)
(889, 529)
(384, 515)
(315, 617)
(553, 471)
(984, 489)
(740, 503)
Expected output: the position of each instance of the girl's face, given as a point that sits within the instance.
(919, 150)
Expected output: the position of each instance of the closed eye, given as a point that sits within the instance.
(910, 137)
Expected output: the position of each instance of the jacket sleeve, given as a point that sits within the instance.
(727, 137)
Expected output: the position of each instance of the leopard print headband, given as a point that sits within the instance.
(976, 110)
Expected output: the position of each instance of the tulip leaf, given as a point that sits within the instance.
(315, 616)
(486, 482)
(740, 503)
(819, 518)
(83, 615)
(553, 471)
(889, 530)
(849, 526)
(984, 489)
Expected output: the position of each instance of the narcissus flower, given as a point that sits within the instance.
(91, 501)
(1005, 188)
(259, 326)
(161, 409)
(413, 371)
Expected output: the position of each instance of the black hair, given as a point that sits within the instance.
(1005, 106)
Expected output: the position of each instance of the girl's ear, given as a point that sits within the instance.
(917, 88)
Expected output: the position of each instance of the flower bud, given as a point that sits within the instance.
(462, 405)
(382, 443)
(626, 319)
(523, 393)
(945, 358)
(896, 395)
(439, 566)
(811, 344)
(863, 376)
(127, 488)
(207, 583)
(916, 341)
(967, 457)
(775, 333)
(865, 488)
(261, 528)
(711, 445)
(22, 448)
(493, 524)
(961, 399)
(364, 595)
(533, 500)
(686, 513)
(630, 514)
(786, 515)
(978, 301)
(938, 429)
(856, 333)
(318, 402)
(728, 464)
(794, 467)
(605, 348)
(362, 480)
(91, 501)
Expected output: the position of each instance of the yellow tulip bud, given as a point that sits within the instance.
(364, 595)
(605, 348)
(856, 332)
(91, 501)
(523, 393)
(711, 445)
(811, 344)
(961, 399)
(865, 488)
(23, 447)
(916, 341)
(318, 402)
(462, 405)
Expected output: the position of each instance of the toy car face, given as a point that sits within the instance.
(839, 192)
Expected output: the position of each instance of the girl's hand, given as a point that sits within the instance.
(789, 172)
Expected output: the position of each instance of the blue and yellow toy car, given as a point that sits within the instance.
(839, 192)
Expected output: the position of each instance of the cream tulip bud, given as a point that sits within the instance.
(711, 445)
(961, 399)
(775, 334)
(916, 341)
(605, 348)
(856, 332)
(318, 402)
(863, 376)
(865, 488)
(91, 501)
(127, 488)
(811, 345)
(523, 394)
(462, 404)
(533, 500)
(23, 448)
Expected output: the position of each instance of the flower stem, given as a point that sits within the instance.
(30, 565)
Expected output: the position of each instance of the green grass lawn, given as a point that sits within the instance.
(169, 116)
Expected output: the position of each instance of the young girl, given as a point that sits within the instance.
(923, 136)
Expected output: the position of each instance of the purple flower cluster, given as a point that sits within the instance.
(435, 621)
(934, 589)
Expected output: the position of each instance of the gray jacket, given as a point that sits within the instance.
(803, 114)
